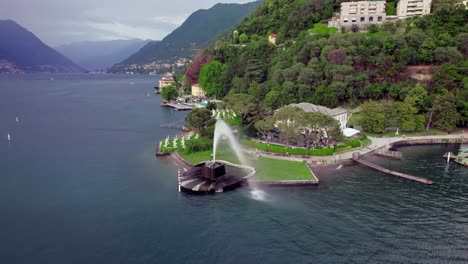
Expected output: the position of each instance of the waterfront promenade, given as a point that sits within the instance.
(345, 157)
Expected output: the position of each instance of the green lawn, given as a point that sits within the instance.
(267, 169)
(276, 170)
(197, 157)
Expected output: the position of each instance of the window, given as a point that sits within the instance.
(353, 20)
(379, 18)
(371, 19)
(363, 19)
(345, 20)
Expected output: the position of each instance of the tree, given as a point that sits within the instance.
(311, 125)
(273, 100)
(445, 112)
(336, 56)
(243, 38)
(200, 120)
(373, 28)
(201, 58)
(450, 54)
(408, 116)
(212, 78)
(264, 127)
(169, 93)
(331, 128)
(373, 117)
(462, 43)
(244, 105)
(426, 50)
(287, 120)
(211, 106)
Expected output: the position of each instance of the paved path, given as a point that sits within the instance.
(377, 143)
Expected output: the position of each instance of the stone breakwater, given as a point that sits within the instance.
(430, 141)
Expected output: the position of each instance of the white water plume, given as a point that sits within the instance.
(222, 130)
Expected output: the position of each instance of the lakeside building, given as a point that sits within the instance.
(361, 13)
(340, 114)
(166, 80)
(408, 8)
(197, 90)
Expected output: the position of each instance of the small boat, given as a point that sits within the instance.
(17, 120)
(8, 136)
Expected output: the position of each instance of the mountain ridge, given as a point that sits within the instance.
(101, 55)
(197, 30)
(21, 48)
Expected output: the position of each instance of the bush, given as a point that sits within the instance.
(293, 151)
(355, 143)
(197, 145)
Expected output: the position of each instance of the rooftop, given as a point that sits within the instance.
(307, 107)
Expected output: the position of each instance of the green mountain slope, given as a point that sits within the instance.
(28, 53)
(198, 29)
(414, 62)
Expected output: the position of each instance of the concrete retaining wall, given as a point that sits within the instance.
(411, 142)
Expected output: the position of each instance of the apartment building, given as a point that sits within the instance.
(362, 13)
(408, 8)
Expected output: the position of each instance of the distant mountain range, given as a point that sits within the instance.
(101, 55)
(196, 32)
(22, 51)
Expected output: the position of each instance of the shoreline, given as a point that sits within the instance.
(329, 162)
(180, 162)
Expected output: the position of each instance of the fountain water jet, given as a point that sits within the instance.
(216, 176)
(223, 130)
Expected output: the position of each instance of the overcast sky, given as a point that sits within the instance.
(64, 21)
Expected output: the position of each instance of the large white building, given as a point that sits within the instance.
(166, 80)
(407, 8)
(197, 90)
(362, 14)
(340, 114)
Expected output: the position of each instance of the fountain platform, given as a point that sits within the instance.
(215, 176)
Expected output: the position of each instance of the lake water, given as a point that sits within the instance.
(79, 183)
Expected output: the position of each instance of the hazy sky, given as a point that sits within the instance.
(63, 21)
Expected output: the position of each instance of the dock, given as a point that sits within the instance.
(176, 125)
(394, 173)
(179, 107)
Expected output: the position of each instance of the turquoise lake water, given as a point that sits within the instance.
(79, 183)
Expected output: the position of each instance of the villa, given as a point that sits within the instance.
(340, 114)
(197, 90)
(166, 80)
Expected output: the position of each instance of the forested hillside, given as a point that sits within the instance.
(198, 29)
(413, 63)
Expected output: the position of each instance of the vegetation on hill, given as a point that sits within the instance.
(312, 63)
(196, 32)
(27, 52)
